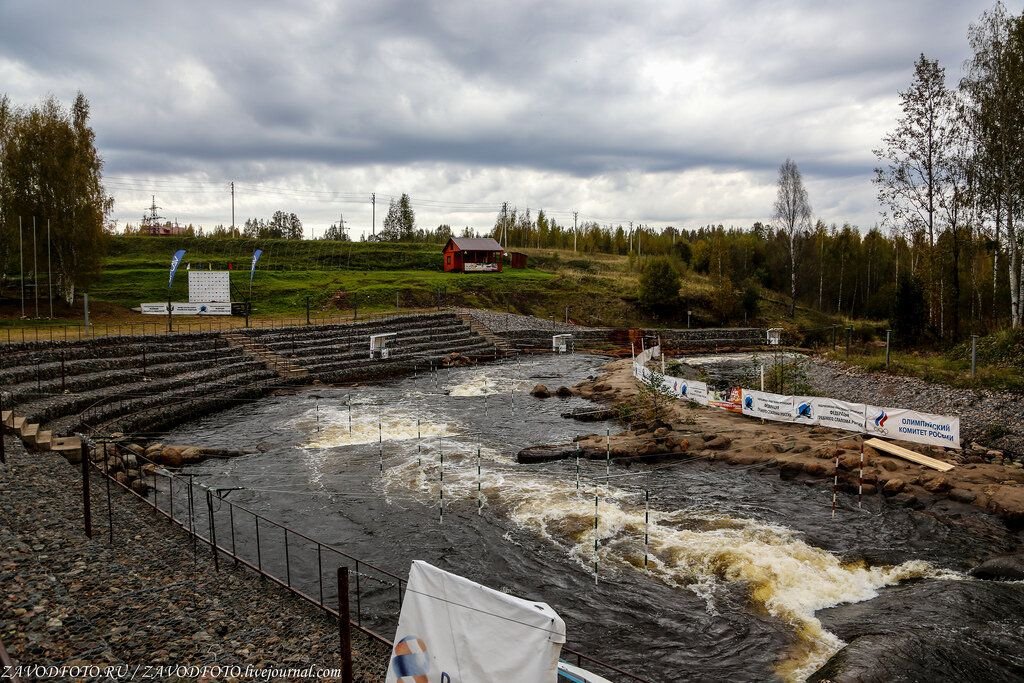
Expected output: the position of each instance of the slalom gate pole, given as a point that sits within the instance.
(860, 478)
(595, 539)
(835, 485)
(380, 443)
(350, 414)
(608, 451)
(440, 488)
(419, 446)
(577, 467)
(479, 485)
(647, 524)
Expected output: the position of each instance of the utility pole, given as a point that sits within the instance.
(49, 269)
(575, 215)
(232, 208)
(373, 210)
(504, 226)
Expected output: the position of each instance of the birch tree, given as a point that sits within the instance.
(792, 216)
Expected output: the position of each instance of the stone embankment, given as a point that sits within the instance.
(145, 600)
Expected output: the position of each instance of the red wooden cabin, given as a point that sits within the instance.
(472, 255)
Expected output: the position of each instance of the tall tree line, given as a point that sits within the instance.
(50, 171)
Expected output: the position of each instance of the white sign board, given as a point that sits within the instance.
(910, 425)
(205, 286)
(690, 389)
(178, 308)
(767, 406)
(831, 412)
(453, 630)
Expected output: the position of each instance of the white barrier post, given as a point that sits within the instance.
(380, 443)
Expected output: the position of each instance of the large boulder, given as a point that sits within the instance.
(563, 392)
(540, 391)
(549, 453)
(1001, 568)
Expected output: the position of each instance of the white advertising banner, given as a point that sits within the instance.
(803, 410)
(910, 425)
(178, 308)
(452, 630)
(690, 389)
(767, 406)
(831, 412)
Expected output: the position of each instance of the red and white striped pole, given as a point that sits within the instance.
(835, 485)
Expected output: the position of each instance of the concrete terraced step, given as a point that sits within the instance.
(65, 443)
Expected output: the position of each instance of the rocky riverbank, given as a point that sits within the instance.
(993, 418)
(983, 477)
(144, 600)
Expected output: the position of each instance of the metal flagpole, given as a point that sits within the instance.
(21, 259)
(35, 268)
(49, 269)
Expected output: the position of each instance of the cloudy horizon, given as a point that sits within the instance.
(641, 112)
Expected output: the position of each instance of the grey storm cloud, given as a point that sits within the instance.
(314, 93)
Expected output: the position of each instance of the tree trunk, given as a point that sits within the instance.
(1014, 267)
(792, 274)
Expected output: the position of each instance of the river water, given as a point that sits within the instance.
(738, 562)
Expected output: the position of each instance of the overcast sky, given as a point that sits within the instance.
(669, 113)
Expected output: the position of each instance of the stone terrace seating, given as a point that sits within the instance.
(146, 383)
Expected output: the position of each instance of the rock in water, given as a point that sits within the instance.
(591, 414)
(537, 454)
(1001, 568)
(540, 391)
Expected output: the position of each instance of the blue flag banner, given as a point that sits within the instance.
(255, 257)
(175, 261)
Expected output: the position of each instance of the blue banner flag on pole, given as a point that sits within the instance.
(255, 257)
(175, 260)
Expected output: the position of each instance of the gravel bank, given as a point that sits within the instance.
(514, 322)
(983, 414)
(69, 600)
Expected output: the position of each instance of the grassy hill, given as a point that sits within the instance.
(598, 289)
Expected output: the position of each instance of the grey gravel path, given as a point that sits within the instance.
(66, 599)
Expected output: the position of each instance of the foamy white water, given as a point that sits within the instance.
(689, 549)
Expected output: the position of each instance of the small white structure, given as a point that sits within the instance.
(562, 343)
(774, 336)
(379, 345)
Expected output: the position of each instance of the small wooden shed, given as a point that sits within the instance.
(518, 259)
(472, 255)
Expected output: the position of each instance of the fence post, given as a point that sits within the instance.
(974, 355)
(888, 336)
(3, 428)
(344, 626)
(110, 509)
(86, 502)
(213, 529)
(849, 333)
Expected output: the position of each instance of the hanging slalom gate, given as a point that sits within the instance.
(296, 562)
